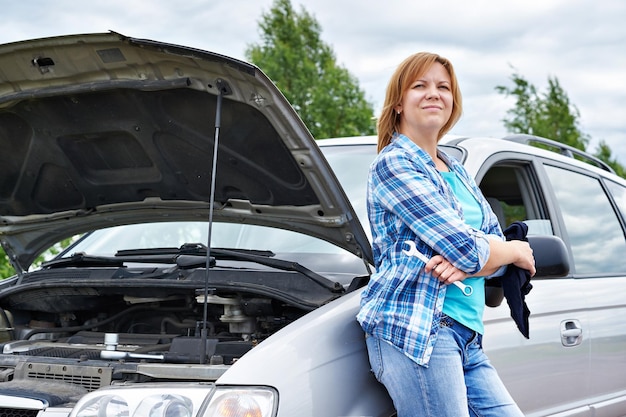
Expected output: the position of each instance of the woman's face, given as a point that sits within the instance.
(427, 103)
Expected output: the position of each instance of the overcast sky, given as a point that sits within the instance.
(580, 42)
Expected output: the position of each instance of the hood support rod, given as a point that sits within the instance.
(223, 89)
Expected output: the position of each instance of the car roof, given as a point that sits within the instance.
(485, 146)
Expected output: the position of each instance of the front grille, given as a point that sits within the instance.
(16, 412)
(88, 377)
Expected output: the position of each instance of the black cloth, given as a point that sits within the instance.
(516, 282)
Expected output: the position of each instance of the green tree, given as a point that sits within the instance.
(522, 118)
(550, 115)
(6, 270)
(325, 95)
(605, 154)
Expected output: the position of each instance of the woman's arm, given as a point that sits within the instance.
(516, 252)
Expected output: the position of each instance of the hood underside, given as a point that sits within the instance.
(100, 130)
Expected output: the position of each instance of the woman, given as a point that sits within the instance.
(424, 336)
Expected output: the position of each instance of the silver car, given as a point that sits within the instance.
(224, 280)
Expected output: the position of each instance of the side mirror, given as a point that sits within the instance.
(551, 257)
(551, 261)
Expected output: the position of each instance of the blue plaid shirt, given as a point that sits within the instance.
(409, 200)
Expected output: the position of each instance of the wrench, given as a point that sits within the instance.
(466, 289)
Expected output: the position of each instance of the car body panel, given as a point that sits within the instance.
(297, 360)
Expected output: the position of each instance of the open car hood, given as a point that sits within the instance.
(100, 130)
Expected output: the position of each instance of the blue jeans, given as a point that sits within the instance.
(459, 380)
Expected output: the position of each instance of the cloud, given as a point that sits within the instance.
(580, 42)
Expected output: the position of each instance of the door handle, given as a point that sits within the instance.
(571, 333)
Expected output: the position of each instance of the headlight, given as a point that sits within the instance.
(156, 400)
(241, 402)
(105, 405)
(178, 400)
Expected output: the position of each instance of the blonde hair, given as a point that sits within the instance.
(407, 72)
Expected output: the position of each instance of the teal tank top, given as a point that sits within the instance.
(467, 310)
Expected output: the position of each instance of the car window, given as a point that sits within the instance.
(619, 195)
(594, 231)
(512, 192)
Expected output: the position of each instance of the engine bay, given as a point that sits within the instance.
(94, 336)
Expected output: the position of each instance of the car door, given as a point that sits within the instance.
(592, 212)
(549, 372)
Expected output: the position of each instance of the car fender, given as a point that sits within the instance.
(318, 365)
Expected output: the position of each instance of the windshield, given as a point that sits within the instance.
(107, 242)
(351, 164)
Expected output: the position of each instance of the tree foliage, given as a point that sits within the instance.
(325, 95)
(6, 270)
(550, 115)
(604, 153)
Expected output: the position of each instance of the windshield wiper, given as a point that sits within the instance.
(152, 255)
(278, 264)
(80, 259)
(195, 249)
(83, 260)
(190, 256)
(193, 255)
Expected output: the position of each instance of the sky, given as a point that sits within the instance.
(582, 43)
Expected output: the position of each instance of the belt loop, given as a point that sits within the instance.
(445, 321)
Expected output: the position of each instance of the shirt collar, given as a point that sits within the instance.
(403, 141)
(412, 148)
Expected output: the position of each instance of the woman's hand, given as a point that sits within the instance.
(516, 252)
(525, 257)
(443, 270)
